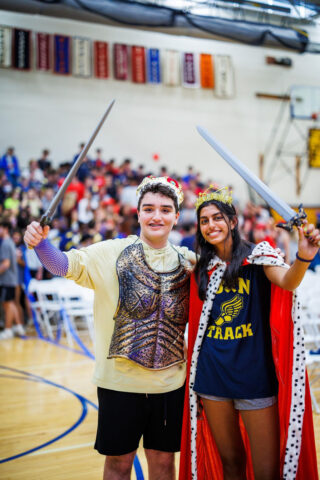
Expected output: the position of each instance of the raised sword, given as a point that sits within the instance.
(291, 217)
(48, 215)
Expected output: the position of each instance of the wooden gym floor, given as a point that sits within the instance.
(48, 414)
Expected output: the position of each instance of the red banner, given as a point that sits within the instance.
(43, 49)
(138, 59)
(189, 70)
(120, 59)
(101, 59)
(206, 71)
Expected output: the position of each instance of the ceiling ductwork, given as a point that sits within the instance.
(282, 24)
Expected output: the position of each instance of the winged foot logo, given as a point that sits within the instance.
(229, 310)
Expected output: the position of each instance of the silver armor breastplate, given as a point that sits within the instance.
(152, 311)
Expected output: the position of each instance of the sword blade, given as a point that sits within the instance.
(286, 212)
(47, 216)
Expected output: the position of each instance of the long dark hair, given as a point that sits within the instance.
(205, 251)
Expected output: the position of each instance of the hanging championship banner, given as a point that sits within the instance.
(5, 47)
(101, 60)
(120, 61)
(61, 61)
(224, 77)
(206, 71)
(189, 70)
(43, 51)
(81, 57)
(314, 148)
(138, 62)
(21, 49)
(171, 74)
(153, 65)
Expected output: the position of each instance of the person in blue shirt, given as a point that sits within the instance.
(190, 236)
(9, 163)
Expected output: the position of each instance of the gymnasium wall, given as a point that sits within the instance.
(40, 110)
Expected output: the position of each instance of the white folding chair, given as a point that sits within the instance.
(309, 294)
(59, 303)
(78, 304)
(46, 307)
(313, 364)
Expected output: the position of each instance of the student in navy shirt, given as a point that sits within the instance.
(232, 357)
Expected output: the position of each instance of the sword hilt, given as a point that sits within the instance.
(295, 221)
(45, 220)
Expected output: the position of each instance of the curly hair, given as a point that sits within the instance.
(163, 190)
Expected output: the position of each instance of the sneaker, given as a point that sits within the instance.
(29, 322)
(18, 330)
(6, 334)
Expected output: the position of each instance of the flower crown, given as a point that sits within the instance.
(167, 181)
(223, 195)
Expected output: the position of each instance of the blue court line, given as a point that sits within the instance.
(56, 344)
(83, 414)
(84, 402)
(85, 351)
(66, 317)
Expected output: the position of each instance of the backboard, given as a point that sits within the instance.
(304, 102)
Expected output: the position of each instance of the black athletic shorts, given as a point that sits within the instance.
(124, 418)
(7, 293)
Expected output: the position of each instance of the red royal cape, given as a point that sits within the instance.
(208, 460)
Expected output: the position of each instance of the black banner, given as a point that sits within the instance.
(21, 49)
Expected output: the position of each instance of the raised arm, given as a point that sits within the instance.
(290, 279)
(55, 261)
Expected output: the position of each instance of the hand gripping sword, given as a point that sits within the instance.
(288, 214)
(48, 215)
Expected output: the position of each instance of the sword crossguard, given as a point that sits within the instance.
(295, 221)
(45, 220)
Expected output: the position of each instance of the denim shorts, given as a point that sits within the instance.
(242, 403)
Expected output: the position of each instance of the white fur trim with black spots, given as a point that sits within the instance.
(262, 254)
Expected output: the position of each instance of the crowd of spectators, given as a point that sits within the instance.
(99, 204)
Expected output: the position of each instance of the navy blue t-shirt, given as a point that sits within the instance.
(235, 360)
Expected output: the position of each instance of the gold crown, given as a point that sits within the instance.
(223, 195)
(167, 181)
